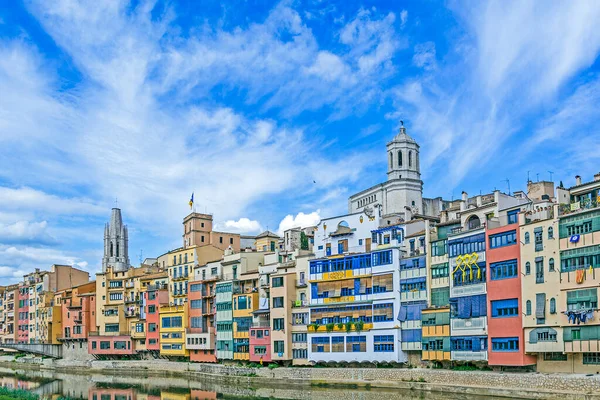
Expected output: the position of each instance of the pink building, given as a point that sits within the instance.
(110, 345)
(154, 297)
(506, 344)
(78, 309)
(260, 344)
(23, 315)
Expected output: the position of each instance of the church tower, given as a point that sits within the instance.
(404, 185)
(116, 243)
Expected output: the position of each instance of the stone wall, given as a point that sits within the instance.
(527, 385)
(76, 351)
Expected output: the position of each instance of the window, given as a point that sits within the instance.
(505, 308)
(230, 240)
(151, 327)
(550, 233)
(226, 306)
(555, 357)
(104, 345)
(356, 344)
(553, 306)
(439, 271)
(115, 284)
(503, 239)
(299, 353)
(513, 217)
(94, 345)
(277, 302)
(112, 328)
(151, 309)
(413, 286)
(171, 322)
(582, 299)
(383, 312)
(504, 270)
(299, 337)
(440, 296)
(528, 307)
(360, 242)
(591, 358)
(580, 228)
(382, 257)
(195, 287)
(260, 350)
(383, 343)
(547, 335)
(115, 296)
(320, 344)
(196, 304)
(527, 268)
(551, 265)
(277, 282)
(278, 324)
(539, 270)
(539, 239)
(242, 303)
(505, 344)
(300, 319)
(120, 345)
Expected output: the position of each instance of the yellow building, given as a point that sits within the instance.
(435, 324)
(267, 241)
(245, 302)
(173, 325)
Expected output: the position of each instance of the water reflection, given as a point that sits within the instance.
(52, 385)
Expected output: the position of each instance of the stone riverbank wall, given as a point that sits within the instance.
(509, 385)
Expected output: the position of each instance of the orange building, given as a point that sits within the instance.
(78, 312)
(506, 345)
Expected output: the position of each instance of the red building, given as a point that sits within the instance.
(110, 345)
(78, 309)
(201, 335)
(260, 344)
(154, 297)
(23, 315)
(506, 345)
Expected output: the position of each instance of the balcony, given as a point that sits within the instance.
(288, 264)
(131, 300)
(299, 303)
(264, 282)
(109, 334)
(413, 296)
(469, 355)
(152, 288)
(411, 346)
(300, 283)
(182, 277)
(435, 355)
(137, 335)
(467, 290)
(129, 284)
(577, 206)
(179, 293)
(471, 326)
(132, 314)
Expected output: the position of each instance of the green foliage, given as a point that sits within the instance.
(254, 365)
(329, 327)
(273, 365)
(348, 326)
(359, 325)
(16, 394)
(314, 326)
(303, 241)
(340, 326)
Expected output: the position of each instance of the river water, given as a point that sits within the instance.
(51, 385)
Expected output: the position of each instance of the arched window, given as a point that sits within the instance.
(551, 264)
(391, 160)
(410, 159)
(473, 222)
(526, 237)
(550, 233)
(111, 249)
(399, 158)
(553, 306)
(417, 157)
(117, 249)
(185, 256)
(527, 268)
(528, 307)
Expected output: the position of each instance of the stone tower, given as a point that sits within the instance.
(116, 243)
(404, 185)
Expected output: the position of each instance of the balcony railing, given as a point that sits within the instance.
(299, 303)
(261, 324)
(129, 284)
(160, 286)
(109, 334)
(578, 206)
(301, 283)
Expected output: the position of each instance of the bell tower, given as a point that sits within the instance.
(405, 188)
(116, 243)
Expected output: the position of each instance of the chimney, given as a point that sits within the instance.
(479, 201)
(597, 177)
(463, 202)
(577, 180)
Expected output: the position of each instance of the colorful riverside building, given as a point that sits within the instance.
(579, 233)
(354, 291)
(468, 267)
(154, 296)
(240, 280)
(201, 335)
(541, 280)
(10, 295)
(435, 319)
(77, 309)
(413, 286)
(506, 344)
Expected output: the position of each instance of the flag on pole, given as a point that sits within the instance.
(191, 200)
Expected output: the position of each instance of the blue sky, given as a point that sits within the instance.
(273, 113)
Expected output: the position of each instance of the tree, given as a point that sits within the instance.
(303, 241)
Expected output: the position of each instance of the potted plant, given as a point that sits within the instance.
(315, 326)
(329, 327)
(348, 326)
(340, 326)
(359, 325)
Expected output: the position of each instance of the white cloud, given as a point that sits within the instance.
(26, 232)
(403, 17)
(26, 198)
(424, 56)
(301, 220)
(242, 225)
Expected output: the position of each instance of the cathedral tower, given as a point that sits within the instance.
(116, 243)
